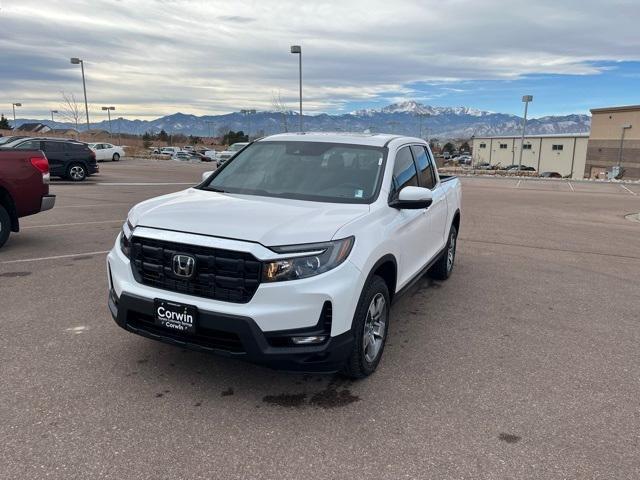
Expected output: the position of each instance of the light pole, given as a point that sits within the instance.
(52, 112)
(248, 113)
(76, 61)
(526, 99)
(297, 49)
(421, 116)
(14, 105)
(109, 109)
(624, 129)
(212, 129)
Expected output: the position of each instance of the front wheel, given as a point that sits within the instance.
(370, 326)
(116, 157)
(76, 172)
(442, 269)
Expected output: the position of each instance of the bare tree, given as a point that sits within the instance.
(69, 109)
(280, 107)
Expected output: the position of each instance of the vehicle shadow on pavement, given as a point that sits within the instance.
(213, 379)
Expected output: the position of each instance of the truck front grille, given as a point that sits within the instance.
(224, 275)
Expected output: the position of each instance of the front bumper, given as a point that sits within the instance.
(279, 308)
(232, 336)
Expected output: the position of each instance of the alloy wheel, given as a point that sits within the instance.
(451, 252)
(76, 172)
(375, 326)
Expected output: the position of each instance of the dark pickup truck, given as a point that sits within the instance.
(24, 188)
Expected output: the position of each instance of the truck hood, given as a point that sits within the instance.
(265, 220)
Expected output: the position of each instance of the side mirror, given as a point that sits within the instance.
(206, 175)
(412, 198)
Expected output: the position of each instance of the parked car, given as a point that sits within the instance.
(185, 157)
(291, 254)
(230, 152)
(521, 168)
(169, 151)
(24, 188)
(67, 158)
(484, 166)
(11, 138)
(550, 175)
(201, 156)
(107, 151)
(211, 155)
(464, 160)
(189, 148)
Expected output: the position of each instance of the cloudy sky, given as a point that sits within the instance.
(155, 57)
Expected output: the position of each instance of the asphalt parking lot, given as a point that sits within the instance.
(525, 364)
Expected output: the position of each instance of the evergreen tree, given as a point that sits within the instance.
(4, 123)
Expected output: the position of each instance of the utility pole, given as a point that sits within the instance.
(526, 99)
(248, 113)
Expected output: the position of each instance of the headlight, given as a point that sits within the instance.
(322, 258)
(125, 237)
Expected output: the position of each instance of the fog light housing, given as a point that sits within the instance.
(311, 340)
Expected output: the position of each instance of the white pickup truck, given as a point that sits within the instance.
(290, 254)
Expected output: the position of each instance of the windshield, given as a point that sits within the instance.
(327, 172)
(237, 146)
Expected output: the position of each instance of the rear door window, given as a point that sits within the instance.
(53, 147)
(425, 167)
(404, 170)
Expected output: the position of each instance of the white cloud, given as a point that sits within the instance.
(155, 57)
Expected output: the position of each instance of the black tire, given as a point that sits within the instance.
(442, 269)
(116, 157)
(5, 225)
(76, 172)
(359, 364)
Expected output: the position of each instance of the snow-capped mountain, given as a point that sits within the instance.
(407, 118)
(415, 108)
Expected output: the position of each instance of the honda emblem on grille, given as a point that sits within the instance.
(184, 266)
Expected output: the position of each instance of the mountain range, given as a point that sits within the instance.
(407, 118)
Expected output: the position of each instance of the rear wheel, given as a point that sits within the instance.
(5, 225)
(370, 326)
(116, 157)
(76, 172)
(442, 269)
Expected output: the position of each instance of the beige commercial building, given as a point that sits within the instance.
(614, 140)
(565, 154)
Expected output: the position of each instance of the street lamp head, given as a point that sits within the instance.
(17, 104)
(75, 60)
(296, 49)
(527, 98)
(54, 111)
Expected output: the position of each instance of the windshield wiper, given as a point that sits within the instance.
(214, 189)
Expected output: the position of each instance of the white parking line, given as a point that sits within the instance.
(73, 224)
(106, 204)
(142, 184)
(571, 187)
(518, 184)
(53, 258)
(629, 190)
